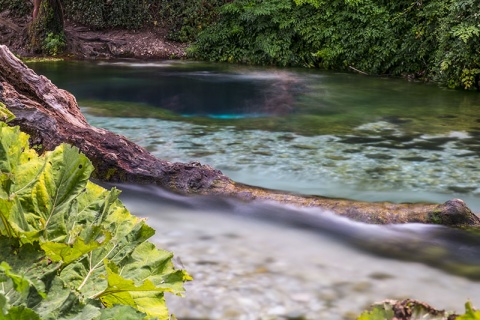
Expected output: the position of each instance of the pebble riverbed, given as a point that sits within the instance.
(248, 269)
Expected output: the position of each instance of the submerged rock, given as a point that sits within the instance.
(453, 212)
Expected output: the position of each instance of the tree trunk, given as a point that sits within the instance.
(51, 116)
(36, 7)
(46, 33)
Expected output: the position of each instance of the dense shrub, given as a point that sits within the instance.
(101, 14)
(430, 39)
(259, 32)
(185, 19)
(457, 58)
(17, 7)
(337, 34)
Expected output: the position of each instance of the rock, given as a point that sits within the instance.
(453, 212)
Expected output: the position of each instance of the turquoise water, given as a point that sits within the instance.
(339, 135)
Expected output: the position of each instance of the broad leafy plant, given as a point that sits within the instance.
(70, 249)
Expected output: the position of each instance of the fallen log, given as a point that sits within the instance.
(51, 116)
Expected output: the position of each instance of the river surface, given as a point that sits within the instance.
(330, 134)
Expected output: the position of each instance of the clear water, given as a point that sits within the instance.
(339, 135)
(263, 261)
(312, 132)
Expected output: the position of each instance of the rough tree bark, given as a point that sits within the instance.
(51, 116)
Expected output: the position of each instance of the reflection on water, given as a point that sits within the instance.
(251, 261)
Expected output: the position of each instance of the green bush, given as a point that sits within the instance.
(259, 32)
(434, 40)
(457, 59)
(185, 19)
(18, 8)
(70, 249)
(335, 34)
(102, 14)
(54, 44)
(182, 19)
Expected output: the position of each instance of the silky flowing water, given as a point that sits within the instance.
(312, 132)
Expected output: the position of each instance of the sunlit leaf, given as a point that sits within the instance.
(5, 114)
(57, 229)
(378, 313)
(148, 262)
(68, 253)
(145, 297)
(470, 314)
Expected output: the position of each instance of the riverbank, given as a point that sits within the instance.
(86, 43)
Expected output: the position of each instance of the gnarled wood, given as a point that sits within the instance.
(51, 116)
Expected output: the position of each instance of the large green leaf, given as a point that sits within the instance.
(121, 312)
(67, 253)
(27, 272)
(20, 313)
(63, 179)
(120, 291)
(148, 262)
(20, 284)
(57, 229)
(19, 167)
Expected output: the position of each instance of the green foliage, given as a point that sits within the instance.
(434, 40)
(89, 13)
(306, 33)
(185, 19)
(259, 32)
(17, 7)
(101, 14)
(457, 60)
(54, 43)
(70, 249)
(182, 19)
